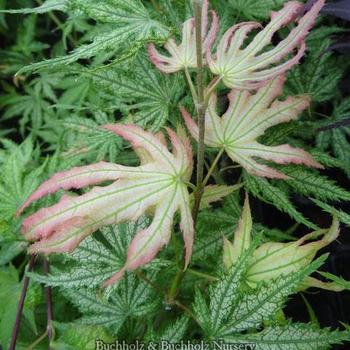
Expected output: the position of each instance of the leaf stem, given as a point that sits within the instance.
(202, 275)
(212, 167)
(200, 106)
(21, 304)
(144, 278)
(174, 287)
(37, 341)
(48, 295)
(191, 85)
(210, 88)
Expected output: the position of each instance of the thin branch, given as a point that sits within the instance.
(200, 106)
(48, 295)
(21, 304)
(202, 275)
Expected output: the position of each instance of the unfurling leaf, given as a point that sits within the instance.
(247, 118)
(242, 240)
(157, 185)
(274, 259)
(184, 55)
(249, 67)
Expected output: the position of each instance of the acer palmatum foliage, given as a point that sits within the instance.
(241, 65)
(157, 185)
(247, 117)
(248, 67)
(184, 54)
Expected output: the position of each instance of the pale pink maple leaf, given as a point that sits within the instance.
(158, 185)
(248, 66)
(246, 119)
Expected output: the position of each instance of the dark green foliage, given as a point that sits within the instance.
(70, 66)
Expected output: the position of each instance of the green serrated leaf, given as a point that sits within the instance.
(265, 191)
(262, 304)
(296, 336)
(127, 23)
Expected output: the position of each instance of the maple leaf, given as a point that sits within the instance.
(184, 55)
(157, 185)
(250, 67)
(247, 118)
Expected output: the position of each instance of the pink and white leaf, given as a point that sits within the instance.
(158, 185)
(246, 119)
(80, 177)
(248, 67)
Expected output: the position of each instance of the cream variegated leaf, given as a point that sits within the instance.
(247, 117)
(248, 67)
(274, 259)
(157, 186)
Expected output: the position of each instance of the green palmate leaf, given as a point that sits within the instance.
(224, 293)
(173, 333)
(31, 107)
(251, 310)
(202, 312)
(127, 25)
(255, 9)
(150, 97)
(211, 227)
(268, 193)
(96, 258)
(319, 75)
(131, 298)
(341, 215)
(297, 336)
(88, 139)
(329, 161)
(18, 178)
(310, 183)
(336, 138)
(222, 296)
(175, 11)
